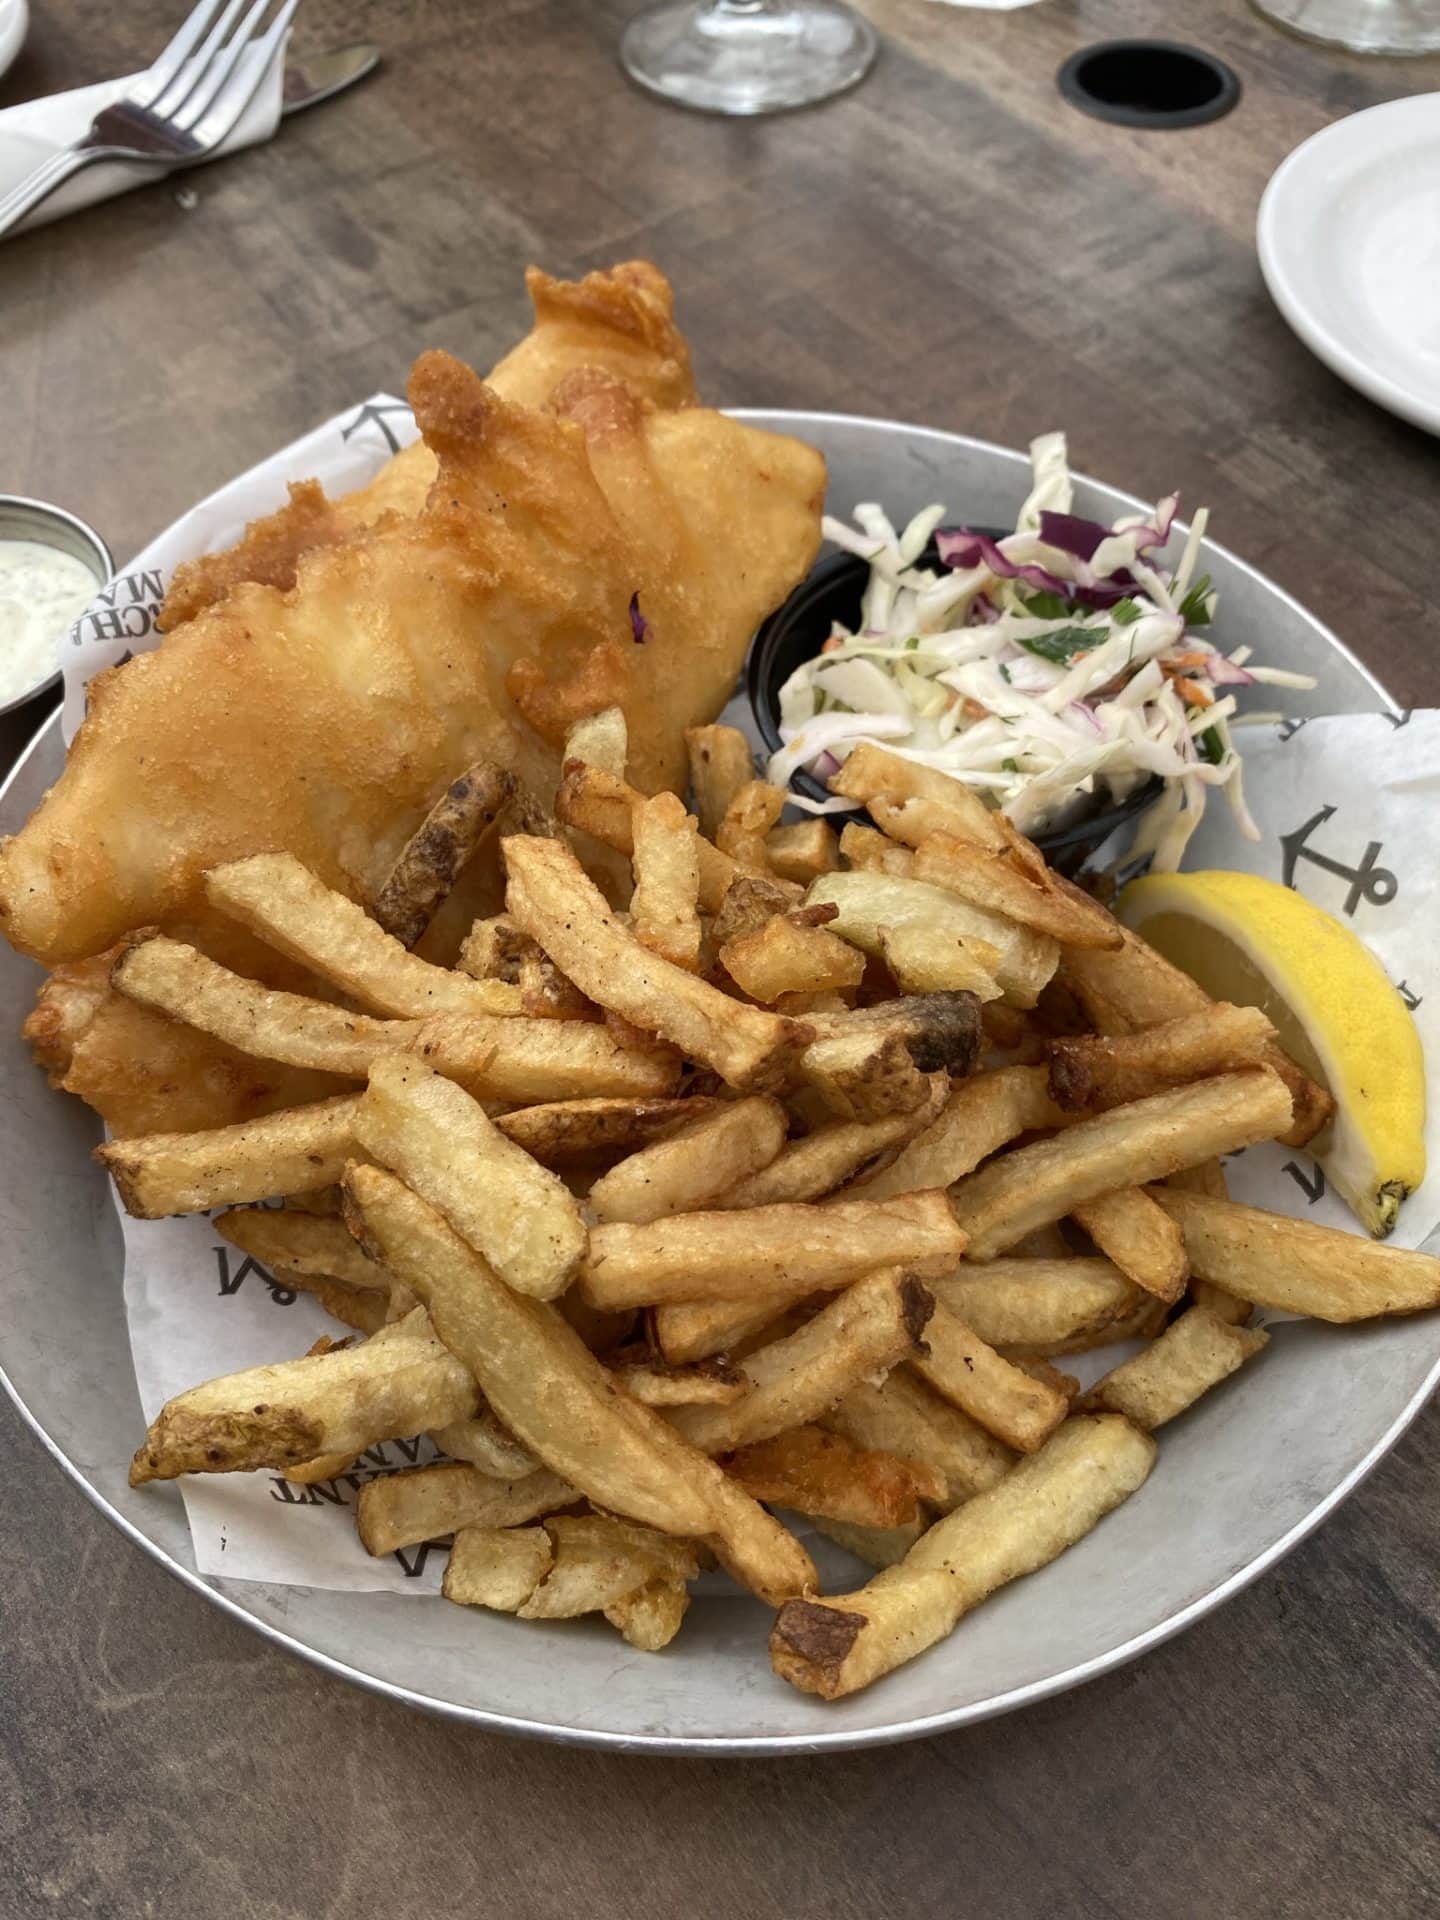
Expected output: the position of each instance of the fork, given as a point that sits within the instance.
(179, 111)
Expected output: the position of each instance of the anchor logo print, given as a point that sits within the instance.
(1367, 880)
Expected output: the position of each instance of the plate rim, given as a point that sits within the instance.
(769, 1744)
(1328, 346)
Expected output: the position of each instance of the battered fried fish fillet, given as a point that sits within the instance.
(143, 1073)
(324, 721)
(620, 320)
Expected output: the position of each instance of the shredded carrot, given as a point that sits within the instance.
(1192, 691)
(833, 644)
(1195, 658)
(974, 710)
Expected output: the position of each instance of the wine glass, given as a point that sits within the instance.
(1361, 26)
(747, 56)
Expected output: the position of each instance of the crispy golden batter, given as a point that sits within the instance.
(145, 1074)
(620, 321)
(325, 721)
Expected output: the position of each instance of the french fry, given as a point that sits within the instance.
(781, 1250)
(502, 1058)
(865, 1073)
(941, 1031)
(604, 807)
(750, 902)
(803, 851)
(424, 1503)
(904, 1416)
(835, 1646)
(721, 763)
(914, 802)
(562, 1132)
(301, 1243)
(866, 1331)
(1132, 987)
(551, 898)
(285, 1153)
(694, 1166)
(599, 1560)
(650, 1618)
(558, 1400)
(328, 1467)
(364, 1309)
(934, 960)
(663, 913)
(869, 851)
(1142, 1241)
(520, 1215)
(496, 1567)
(689, 1330)
(874, 904)
(991, 878)
(279, 899)
(483, 1442)
(1208, 1178)
(876, 1546)
(1001, 1397)
(818, 1472)
(752, 812)
(601, 740)
(1194, 1353)
(808, 1169)
(981, 1116)
(528, 1060)
(1031, 1185)
(1042, 1370)
(496, 949)
(709, 1383)
(1107, 1070)
(792, 953)
(1297, 1266)
(398, 1382)
(1041, 1306)
(434, 856)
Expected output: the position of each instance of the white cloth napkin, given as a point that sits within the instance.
(33, 131)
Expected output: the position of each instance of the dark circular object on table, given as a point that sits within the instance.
(795, 632)
(1149, 83)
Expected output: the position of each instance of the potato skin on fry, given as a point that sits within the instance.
(400, 1381)
(434, 856)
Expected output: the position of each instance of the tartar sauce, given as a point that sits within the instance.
(41, 591)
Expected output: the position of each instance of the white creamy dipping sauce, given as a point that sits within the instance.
(41, 591)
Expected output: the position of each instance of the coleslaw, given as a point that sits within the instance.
(1059, 664)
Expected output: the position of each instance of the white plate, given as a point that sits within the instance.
(1239, 1481)
(1349, 241)
(14, 21)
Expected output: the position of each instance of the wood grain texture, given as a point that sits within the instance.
(950, 244)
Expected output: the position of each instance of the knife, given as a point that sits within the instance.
(314, 77)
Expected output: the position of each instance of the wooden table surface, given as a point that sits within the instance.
(950, 244)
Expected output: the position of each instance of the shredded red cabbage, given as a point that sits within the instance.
(960, 547)
(639, 625)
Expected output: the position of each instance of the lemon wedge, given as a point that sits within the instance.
(1258, 944)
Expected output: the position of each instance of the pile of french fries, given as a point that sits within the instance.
(783, 1184)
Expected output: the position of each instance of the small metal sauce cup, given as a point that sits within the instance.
(37, 520)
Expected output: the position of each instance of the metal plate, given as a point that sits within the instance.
(1239, 1481)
